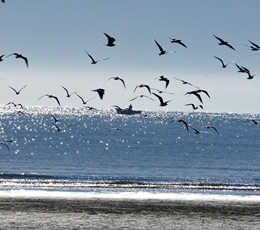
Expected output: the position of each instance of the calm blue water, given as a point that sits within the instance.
(150, 152)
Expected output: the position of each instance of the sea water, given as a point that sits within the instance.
(90, 153)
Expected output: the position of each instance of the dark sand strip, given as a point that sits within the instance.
(44, 213)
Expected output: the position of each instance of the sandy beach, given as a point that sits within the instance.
(53, 213)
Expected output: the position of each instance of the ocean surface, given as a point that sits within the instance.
(97, 153)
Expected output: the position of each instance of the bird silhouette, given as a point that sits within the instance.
(162, 51)
(67, 92)
(142, 96)
(21, 106)
(83, 101)
(2, 143)
(1, 57)
(162, 78)
(194, 107)
(118, 129)
(242, 69)
(223, 64)
(212, 127)
(17, 92)
(55, 119)
(141, 86)
(110, 40)
(93, 60)
(100, 92)
(58, 128)
(117, 78)
(20, 56)
(196, 131)
(253, 120)
(222, 42)
(254, 46)
(196, 94)
(184, 122)
(162, 103)
(174, 40)
(50, 96)
(185, 82)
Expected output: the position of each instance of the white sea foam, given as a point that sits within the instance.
(127, 195)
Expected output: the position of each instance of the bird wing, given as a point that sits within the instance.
(181, 43)
(93, 60)
(221, 40)
(56, 99)
(220, 60)
(26, 61)
(110, 39)
(148, 87)
(122, 82)
(254, 44)
(12, 89)
(160, 48)
(22, 88)
(159, 97)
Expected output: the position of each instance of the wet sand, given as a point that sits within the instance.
(53, 213)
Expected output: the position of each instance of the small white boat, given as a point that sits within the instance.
(127, 111)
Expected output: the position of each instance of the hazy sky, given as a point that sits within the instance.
(54, 35)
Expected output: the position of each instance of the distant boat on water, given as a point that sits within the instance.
(127, 111)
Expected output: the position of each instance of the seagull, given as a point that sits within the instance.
(117, 78)
(110, 41)
(242, 69)
(194, 107)
(162, 78)
(1, 57)
(254, 121)
(196, 94)
(161, 49)
(2, 143)
(212, 127)
(142, 96)
(203, 91)
(174, 40)
(51, 96)
(255, 47)
(184, 122)
(15, 105)
(100, 92)
(55, 119)
(222, 42)
(20, 56)
(196, 131)
(93, 60)
(223, 64)
(16, 92)
(58, 128)
(141, 86)
(162, 103)
(185, 82)
(117, 129)
(68, 95)
(160, 91)
(83, 101)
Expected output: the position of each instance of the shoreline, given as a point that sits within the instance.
(99, 213)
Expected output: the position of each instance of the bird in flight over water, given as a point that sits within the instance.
(222, 42)
(223, 64)
(51, 96)
(194, 107)
(2, 143)
(68, 94)
(20, 56)
(174, 40)
(100, 92)
(17, 92)
(142, 96)
(110, 40)
(162, 51)
(184, 122)
(185, 82)
(254, 46)
(117, 78)
(141, 86)
(162, 103)
(83, 101)
(95, 61)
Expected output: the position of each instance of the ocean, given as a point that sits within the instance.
(99, 153)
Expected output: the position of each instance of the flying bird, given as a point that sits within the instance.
(162, 103)
(1, 57)
(174, 40)
(162, 78)
(141, 86)
(223, 64)
(142, 96)
(222, 42)
(162, 51)
(196, 131)
(254, 121)
(2, 143)
(254, 46)
(119, 129)
(117, 78)
(184, 122)
(51, 96)
(58, 128)
(242, 69)
(83, 101)
(110, 41)
(194, 107)
(55, 119)
(68, 94)
(100, 92)
(185, 82)
(17, 92)
(160, 91)
(212, 127)
(196, 94)
(93, 60)
(20, 56)
(21, 106)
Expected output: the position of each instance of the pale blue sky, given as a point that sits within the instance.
(54, 34)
